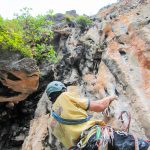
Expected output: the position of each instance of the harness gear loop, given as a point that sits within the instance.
(86, 135)
(101, 136)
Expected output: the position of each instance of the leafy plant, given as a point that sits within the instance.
(37, 34)
(34, 27)
(44, 52)
(11, 37)
(83, 22)
(29, 35)
(69, 18)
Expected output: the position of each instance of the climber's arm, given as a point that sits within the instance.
(101, 105)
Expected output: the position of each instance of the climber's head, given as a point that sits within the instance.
(54, 89)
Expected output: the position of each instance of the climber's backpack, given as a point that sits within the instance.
(125, 141)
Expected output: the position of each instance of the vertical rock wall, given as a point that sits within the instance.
(111, 57)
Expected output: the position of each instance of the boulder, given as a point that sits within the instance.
(18, 79)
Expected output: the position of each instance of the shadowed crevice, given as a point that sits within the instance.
(12, 77)
(7, 92)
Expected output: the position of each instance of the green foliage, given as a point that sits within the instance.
(34, 27)
(44, 52)
(83, 22)
(29, 35)
(1, 20)
(51, 13)
(69, 18)
(11, 38)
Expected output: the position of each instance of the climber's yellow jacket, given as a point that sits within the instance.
(70, 106)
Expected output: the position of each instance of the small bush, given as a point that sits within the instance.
(11, 38)
(29, 35)
(83, 22)
(45, 52)
(69, 18)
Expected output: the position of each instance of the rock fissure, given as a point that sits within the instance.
(6, 92)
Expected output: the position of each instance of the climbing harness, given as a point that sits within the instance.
(86, 135)
(70, 121)
(102, 135)
(98, 136)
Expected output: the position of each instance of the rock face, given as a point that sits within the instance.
(18, 79)
(127, 57)
(111, 57)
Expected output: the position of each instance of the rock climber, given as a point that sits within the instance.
(76, 129)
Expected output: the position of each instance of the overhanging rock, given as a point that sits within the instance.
(18, 79)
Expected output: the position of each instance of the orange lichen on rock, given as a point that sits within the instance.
(91, 80)
(124, 19)
(146, 83)
(139, 49)
(107, 28)
(113, 47)
(105, 11)
(27, 83)
(19, 80)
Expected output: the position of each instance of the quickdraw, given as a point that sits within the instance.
(106, 136)
(107, 112)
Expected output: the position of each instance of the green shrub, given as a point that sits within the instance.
(83, 22)
(29, 35)
(45, 52)
(69, 18)
(11, 38)
(33, 27)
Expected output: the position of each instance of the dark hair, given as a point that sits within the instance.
(53, 96)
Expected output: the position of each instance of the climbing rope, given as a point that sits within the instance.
(105, 134)
(136, 142)
(125, 127)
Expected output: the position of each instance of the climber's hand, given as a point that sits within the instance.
(102, 104)
(112, 98)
